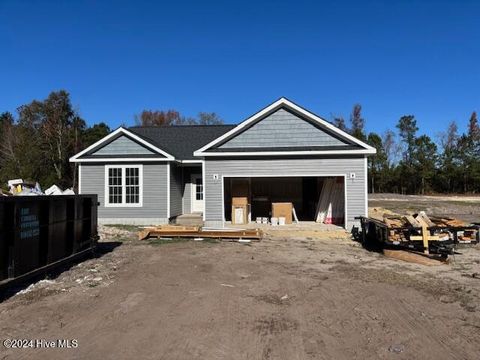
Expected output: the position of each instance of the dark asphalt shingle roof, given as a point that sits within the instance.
(182, 140)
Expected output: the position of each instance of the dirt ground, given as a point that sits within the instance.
(466, 208)
(319, 296)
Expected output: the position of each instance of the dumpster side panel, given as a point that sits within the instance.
(27, 237)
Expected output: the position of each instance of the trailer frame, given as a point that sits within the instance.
(375, 234)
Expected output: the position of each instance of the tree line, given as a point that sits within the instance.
(38, 142)
(410, 163)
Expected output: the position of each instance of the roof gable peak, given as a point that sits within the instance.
(363, 148)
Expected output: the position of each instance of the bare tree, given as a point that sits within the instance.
(205, 118)
(159, 118)
(173, 117)
(339, 122)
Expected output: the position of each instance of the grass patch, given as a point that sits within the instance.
(124, 227)
(157, 241)
(210, 240)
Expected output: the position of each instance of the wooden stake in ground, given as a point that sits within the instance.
(425, 234)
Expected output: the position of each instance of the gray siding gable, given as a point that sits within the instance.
(123, 145)
(285, 129)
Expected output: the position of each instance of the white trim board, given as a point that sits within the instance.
(168, 191)
(204, 191)
(130, 134)
(193, 193)
(367, 149)
(345, 225)
(283, 153)
(126, 159)
(106, 198)
(79, 174)
(189, 161)
(366, 186)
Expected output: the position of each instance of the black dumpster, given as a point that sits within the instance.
(36, 231)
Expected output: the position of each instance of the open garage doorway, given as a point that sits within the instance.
(309, 195)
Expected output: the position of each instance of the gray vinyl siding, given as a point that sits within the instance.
(187, 189)
(154, 207)
(123, 146)
(282, 129)
(176, 181)
(356, 195)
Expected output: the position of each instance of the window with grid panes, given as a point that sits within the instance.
(124, 185)
(115, 186)
(132, 186)
(199, 189)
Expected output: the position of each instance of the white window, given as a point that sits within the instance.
(123, 185)
(198, 189)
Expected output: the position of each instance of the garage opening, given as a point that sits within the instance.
(320, 199)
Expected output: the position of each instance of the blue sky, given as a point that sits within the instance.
(234, 57)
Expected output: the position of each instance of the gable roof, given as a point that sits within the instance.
(188, 142)
(86, 154)
(181, 140)
(354, 146)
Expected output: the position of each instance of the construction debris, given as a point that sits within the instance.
(4, 193)
(20, 187)
(24, 188)
(440, 228)
(418, 233)
(174, 231)
(55, 190)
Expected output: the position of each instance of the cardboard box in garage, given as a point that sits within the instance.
(239, 200)
(283, 209)
(239, 214)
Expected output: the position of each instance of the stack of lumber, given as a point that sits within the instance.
(409, 227)
(447, 222)
(172, 231)
(392, 219)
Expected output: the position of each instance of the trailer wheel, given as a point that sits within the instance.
(373, 236)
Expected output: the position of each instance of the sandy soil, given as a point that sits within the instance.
(466, 208)
(317, 297)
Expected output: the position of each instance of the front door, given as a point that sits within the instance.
(197, 193)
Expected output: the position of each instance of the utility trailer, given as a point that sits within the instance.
(440, 240)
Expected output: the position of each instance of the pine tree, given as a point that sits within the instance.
(357, 123)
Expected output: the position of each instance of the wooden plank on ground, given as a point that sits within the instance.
(252, 234)
(146, 232)
(412, 257)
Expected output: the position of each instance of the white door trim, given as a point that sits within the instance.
(197, 205)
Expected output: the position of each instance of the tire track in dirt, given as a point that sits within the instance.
(167, 302)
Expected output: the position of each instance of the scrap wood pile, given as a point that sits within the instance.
(196, 232)
(410, 227)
